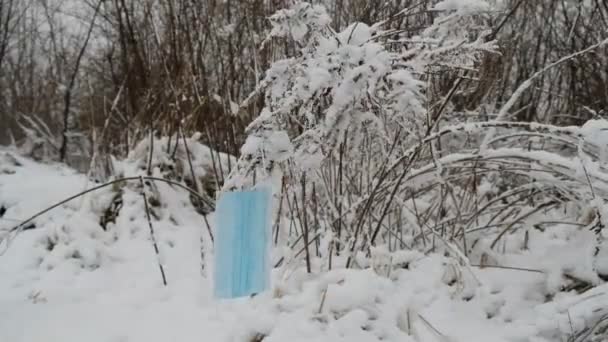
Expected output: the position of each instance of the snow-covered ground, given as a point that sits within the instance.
(68, 280)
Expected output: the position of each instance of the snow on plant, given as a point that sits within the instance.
(298, 21)
(458, 36)
(349, 84)
(369, 159)
(348, 105)
(377, 174)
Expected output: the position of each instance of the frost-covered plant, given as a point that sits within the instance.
(355, 84)
(298, 21)
(343, 116)
(41, 143)
(370, 153)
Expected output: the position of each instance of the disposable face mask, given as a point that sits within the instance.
(242, 242)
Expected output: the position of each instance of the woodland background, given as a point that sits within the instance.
(82, 75)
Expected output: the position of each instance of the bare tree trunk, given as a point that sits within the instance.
(68, 93)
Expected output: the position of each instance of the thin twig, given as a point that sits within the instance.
(160, 264)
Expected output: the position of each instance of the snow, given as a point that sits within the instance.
(276, 145)
(596, 132)
(463, 6)
(105, 286)
(355, 34)
(93, 268)
(298, 20)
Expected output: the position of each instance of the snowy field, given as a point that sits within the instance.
(68, 280)
(450, 191)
